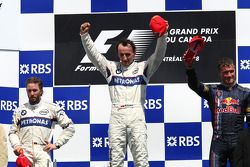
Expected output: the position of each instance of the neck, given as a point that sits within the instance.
(229, 86)
(34, 102)
(125, 65)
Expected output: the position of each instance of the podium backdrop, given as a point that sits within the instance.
(41, 38)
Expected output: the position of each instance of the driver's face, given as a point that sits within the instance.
(227, 75)
(126, 54)
(34, 93)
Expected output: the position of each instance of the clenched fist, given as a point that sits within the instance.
(84, 28)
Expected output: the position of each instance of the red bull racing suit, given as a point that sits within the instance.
(228, 109)
(242, 150)
(127, 88)
(33, 125)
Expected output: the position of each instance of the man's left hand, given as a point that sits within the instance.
(49, 146)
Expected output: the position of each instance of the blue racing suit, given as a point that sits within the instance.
(228, 109)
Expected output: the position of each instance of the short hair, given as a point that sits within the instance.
(35, 80)
(225, 61)
(126, 42)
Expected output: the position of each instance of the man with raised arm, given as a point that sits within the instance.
(127, 82)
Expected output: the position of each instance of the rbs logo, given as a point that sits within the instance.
(73, 104)
(100, 142)
(35, 68)
(153, 104)
(189, 141)
(8, 105)
(183, 141)
(77, 105)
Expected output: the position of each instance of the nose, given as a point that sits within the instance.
(32, 92)
(123, 57)
(229, 74)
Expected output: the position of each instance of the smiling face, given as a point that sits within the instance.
(227, 75)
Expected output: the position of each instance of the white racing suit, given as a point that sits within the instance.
(32, 125)
(127, 88)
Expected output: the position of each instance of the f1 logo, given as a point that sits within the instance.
(145, 37)
(100, 42)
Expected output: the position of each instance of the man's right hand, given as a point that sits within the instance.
(195, 45)
(158, 25)
(187, 61)
(18, 150)
(84, 28)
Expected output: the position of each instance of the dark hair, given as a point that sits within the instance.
(225, 61)
(35, 80)
(126, 42)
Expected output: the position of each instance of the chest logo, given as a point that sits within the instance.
(43, 112)
(135, 71)
(118, 71)
(218, 93)
(230, 101)
(23, 112)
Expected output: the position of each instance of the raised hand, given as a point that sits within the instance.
(84, 28)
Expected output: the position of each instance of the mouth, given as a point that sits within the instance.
(125, 63)
(32, 98)
(229, 81)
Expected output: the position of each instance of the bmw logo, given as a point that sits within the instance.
(118, 71)
(23, 112)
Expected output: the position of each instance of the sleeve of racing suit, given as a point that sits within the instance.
(99, 61)
(248, 111)
(156, 58)
(14, 129)
(201, 89)
(67, 125)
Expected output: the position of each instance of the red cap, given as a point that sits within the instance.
(158, 25)
(196, 43)
(22, 161)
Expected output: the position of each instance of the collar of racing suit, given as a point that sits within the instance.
(35, 106)
(125, 68)
(224, 87)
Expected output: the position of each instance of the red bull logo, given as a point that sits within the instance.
(229, 109)
(232, 106)
(229, 101)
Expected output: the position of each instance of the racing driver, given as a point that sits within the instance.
(127, 82)
(229, 103)
(33, 124)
